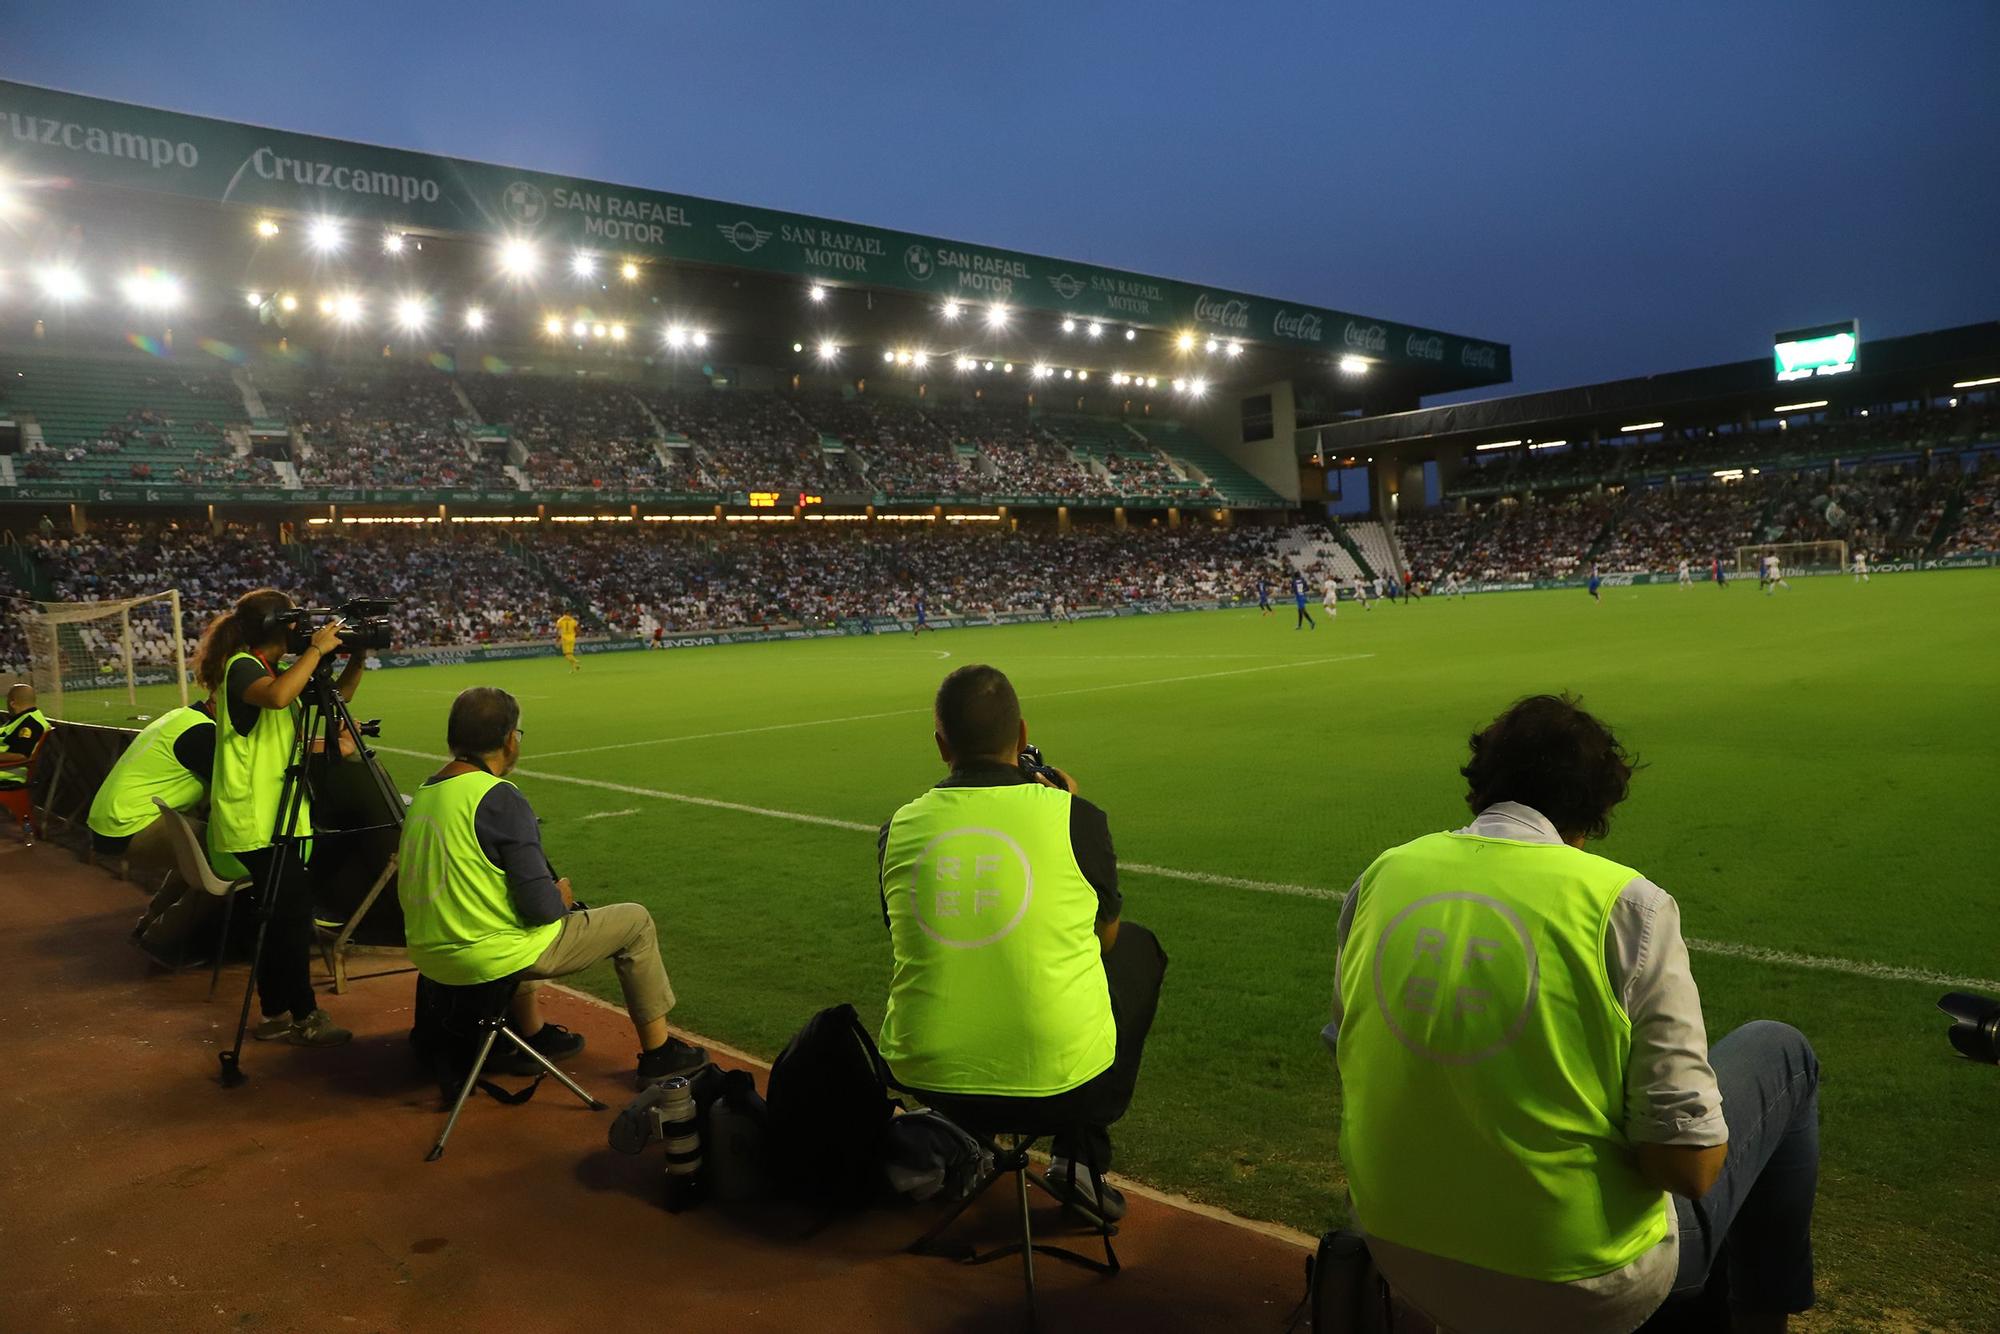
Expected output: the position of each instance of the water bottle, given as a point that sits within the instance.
(682, 1134)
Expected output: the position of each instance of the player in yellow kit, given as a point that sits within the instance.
(566, 636)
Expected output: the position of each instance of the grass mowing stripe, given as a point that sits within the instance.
(900, 713)
(1880, 972)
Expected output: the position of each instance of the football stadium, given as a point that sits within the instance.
(703, 526)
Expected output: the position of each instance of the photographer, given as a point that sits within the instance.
(22, 728)
(481, 902)
(257, 722)
(1536, 1131)
(1016, 992)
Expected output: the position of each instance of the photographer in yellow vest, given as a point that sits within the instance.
(1016, 991)
(1536, 1132)
(481, 902)
(22, 728)
(240, 663)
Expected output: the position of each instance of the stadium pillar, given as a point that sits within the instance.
(1173, 516)
(1118, 517)
(79, 522)
(444, 515)
(870, 512)
(718, 514)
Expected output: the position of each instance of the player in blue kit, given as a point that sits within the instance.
(1299, 598)
(1595, 584)
(922, 624)
(1263, 595)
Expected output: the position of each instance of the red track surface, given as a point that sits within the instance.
(138, 1195)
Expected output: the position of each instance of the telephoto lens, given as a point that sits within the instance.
(682, 1133)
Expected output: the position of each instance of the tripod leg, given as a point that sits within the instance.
(464, 1092)
(1027, 1245)
(232, 1060)
(549, 1066)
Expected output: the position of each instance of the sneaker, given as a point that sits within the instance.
(552, 1040)
(674, 1057)
(1083, 1197)
(316, 1030)
(272, 1026)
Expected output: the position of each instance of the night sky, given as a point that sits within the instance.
(1612, 188)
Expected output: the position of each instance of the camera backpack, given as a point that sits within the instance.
(827, 1106)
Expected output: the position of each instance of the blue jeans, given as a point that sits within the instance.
(1757, 1218)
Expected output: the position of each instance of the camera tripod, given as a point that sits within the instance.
(324, 717)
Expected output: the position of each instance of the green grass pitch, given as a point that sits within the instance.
(1819, 781)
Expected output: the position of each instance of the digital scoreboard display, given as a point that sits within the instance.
(1826, 349)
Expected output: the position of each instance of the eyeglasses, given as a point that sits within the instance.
(520, 732)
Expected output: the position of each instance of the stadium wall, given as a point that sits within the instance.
(1975, 561)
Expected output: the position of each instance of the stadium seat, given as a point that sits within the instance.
(192, 860)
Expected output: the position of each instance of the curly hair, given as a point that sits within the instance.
(1547, 753)
(244, 626)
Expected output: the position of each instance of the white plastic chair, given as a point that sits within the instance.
(192, 859)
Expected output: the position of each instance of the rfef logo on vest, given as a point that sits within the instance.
(1230, 313)
(1424, 349)
(972, 886)
(1365, 337)
(1299, 324)
(1456, 975)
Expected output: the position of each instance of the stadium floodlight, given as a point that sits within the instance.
(59, 283)
(1976, 384)
(1235, 348)
(1120, 378)
(828, 349)
(519, 258)
(676, 336)
(580, 329)
(1069, 326)
(920, 359)
(1197, 386)
(1094, 329)
(347, 308)
(1038, 372)
(1179, 385)
(698, 338)
(989, 365)
(629, 271)
(1131, 334)
(149, 289)
(1068, 374)
(325, 235)
(412, 313)
(1800, 407)
(1354, 365)
(1083, 375)
(950, 310)
(617, 333)
(903, 358)
(798, 347)
(1184, 342)
(1152, 382)
(1642, 426)
(267, 228)
(888, 358)
(253, 299)
(1548, 444)
(1007, 368)
(1497, 444)
(1211, 347)
(475, 318)
(583, 264)
(552, 327)
(392, 243)
(816, 292)
(288, 303)
(996, 316)
(967, 364)
(598, 331)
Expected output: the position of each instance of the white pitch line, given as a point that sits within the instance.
(609, 815)
(1820, 963)
(899, 713)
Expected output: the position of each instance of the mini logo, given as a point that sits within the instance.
(1298, 324)
(1480, 356)
(744, 235)
(1365, 337)
(1067, 285)
(917, 262)
(525, 203)
(1424, 349)
(1232, 313)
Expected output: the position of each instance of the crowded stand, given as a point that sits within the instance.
(748, 441)
(577, 433)
(383, 430)
(1978, 527)
(904, 451)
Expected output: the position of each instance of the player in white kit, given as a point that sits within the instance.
(1331, 594)
(1860, 567)
(1687, 580)
(1361, 593)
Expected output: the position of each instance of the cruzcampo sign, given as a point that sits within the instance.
(65, 136)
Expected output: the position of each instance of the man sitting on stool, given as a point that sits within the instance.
(480, 901)
(1016, 994)
(22, 728)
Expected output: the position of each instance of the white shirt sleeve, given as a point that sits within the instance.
(1671, 1095)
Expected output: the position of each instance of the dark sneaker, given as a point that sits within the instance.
(272, 1027)
(672, 1058)
(316, 1030)
(1082, 1198)
(552, 1040)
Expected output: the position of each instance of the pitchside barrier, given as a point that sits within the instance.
(1974, 561)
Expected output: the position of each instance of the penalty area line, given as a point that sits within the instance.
(1819, 963)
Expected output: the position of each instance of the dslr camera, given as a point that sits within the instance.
(367, 624)
(1032, 767)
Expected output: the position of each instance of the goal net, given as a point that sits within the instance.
(1800, 557)
(104, 651)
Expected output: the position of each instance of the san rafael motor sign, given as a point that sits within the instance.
(61, 137)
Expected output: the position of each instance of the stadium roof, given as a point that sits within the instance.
(54, 137)
(1887, 369)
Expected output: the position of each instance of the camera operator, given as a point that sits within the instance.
(1017, 995)
(256, 730)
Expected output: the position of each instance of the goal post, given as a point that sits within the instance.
(1799, 557)
(105, 650)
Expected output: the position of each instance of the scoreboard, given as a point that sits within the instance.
(1825, 349)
